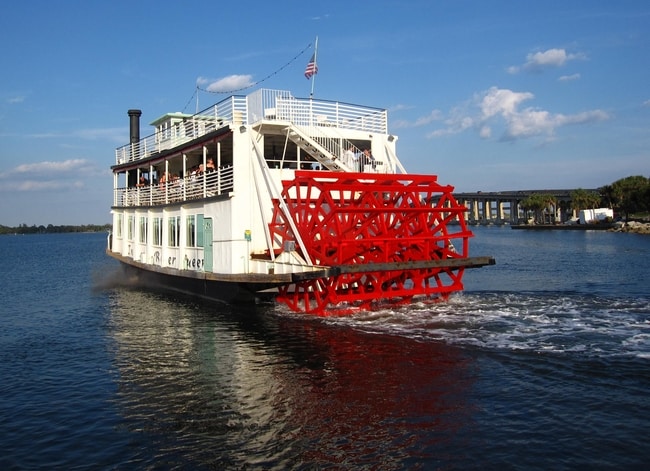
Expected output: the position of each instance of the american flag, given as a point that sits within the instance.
(312, 67)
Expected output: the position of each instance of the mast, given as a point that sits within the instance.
(313, 77)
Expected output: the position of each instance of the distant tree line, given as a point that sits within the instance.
(50, 229)
(629, 197)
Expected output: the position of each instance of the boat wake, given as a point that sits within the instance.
(534, 322)
(109, 278)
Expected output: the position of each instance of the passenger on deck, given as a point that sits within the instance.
(193, 184)
(350, 159)
(163, 180)
(175, 181)
(367, 161)
(209, 166)
(142, 182)
(193, 172)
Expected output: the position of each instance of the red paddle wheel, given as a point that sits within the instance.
(385, 238)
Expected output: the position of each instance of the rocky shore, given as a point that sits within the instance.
(631, 226)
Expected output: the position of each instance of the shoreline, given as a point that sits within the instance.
(632, 227)
(563, 227)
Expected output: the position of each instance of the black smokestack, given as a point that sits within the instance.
(134, 116)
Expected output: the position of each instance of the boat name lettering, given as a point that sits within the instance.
(193, 263)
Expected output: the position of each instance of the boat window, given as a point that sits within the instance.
(190, 236)
(130, 228)
(174, 231)
(143, 229)
(118, 226)
(157, 231)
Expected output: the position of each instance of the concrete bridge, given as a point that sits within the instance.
(504, 207)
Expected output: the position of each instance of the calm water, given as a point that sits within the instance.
(542, 363)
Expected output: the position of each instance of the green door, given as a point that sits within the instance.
(207, 244)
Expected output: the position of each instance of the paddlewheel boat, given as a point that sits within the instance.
(272, 196)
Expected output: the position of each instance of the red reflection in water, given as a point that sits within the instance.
(379, 399)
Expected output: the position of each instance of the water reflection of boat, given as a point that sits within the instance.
(302, 199)
(242, 388)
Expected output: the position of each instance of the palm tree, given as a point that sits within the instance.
(608, 196)
(537, 203)
(565, 207)
(550, 206)
(583, 199)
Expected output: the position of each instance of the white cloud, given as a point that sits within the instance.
(501, 108)
(584, 117)
(113, 134)
(502, 101)
(48, 175)
(459, 120)
(569, 78)
(230, 83)
(401, 107)
(550, 57)
(539, 61)
(118, 135)
(49, 167)
(434, 115)
(442, 132)
(48, 185)
(646, 103)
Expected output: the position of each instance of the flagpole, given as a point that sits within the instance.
(313, 77)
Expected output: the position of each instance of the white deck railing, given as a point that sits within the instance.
(263, 104)
(210, 184)
(306, 112)
(229, 111)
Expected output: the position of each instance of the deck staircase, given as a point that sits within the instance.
(322, 148)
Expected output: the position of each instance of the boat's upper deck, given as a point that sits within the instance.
(264, 105)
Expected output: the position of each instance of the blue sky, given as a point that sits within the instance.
(490, 95)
